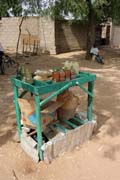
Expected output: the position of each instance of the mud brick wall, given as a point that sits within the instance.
(43, 28)
(47, 34)
(54, 36)
(115, 38)
(9, 32)
(69, 37)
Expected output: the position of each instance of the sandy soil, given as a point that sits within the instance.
(98, 159)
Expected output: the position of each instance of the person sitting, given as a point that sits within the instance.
(95, 54)
(1, 58)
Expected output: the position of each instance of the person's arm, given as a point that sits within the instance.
(92, 50)
(97, 51)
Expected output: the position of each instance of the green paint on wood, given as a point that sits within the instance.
(39, 126)
(90, 101)
(71, 124)
(17, 109)
(79, 120)
(85, 90)
(21, 84)
(22, 94)
(39, 88)
(61, 128)
(55, 94)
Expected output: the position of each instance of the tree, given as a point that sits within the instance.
(19, 35)
(15, 6)
(115, 11)
(90, 12)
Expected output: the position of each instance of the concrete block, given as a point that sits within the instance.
(60, 143)
(67, 142)
(32, 152)
(28, 139)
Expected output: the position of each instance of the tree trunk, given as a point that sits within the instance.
(90, 30)
(18, 41)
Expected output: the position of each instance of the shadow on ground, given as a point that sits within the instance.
(107, 96)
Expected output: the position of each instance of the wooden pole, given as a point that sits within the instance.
(56, 93)
(90, 100)
(17, 109)
(19, 35)
(39, 126)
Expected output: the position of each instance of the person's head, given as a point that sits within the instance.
(94, 45)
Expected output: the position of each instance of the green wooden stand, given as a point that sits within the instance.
(39, 88)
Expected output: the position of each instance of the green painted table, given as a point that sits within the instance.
(39, 88)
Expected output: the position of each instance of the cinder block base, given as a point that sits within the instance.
(66, 142)
(61, 143)
(29, 146)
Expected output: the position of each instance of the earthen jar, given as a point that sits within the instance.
(67, 74)
(56, 76)
(73, 75)
(62, 76)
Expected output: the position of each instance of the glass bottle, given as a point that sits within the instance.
(23, 72)
(18, 74)
(28, 76)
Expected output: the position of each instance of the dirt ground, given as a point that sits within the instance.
(97, 159)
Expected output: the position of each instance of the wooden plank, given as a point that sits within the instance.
(60, 90)
(22, 94)
(78, 120)
(61, 128)
(53, 107)
(66, 142)
(71, 124)
(85, 90)
(32, 152)
(90, 101)
(47, 149)
(23, 85)
(42, 83)
(32, 133)
(39, 126)
(29, 140)
(57, 86)
(45, 88)
(58, 144)
(17, 110)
